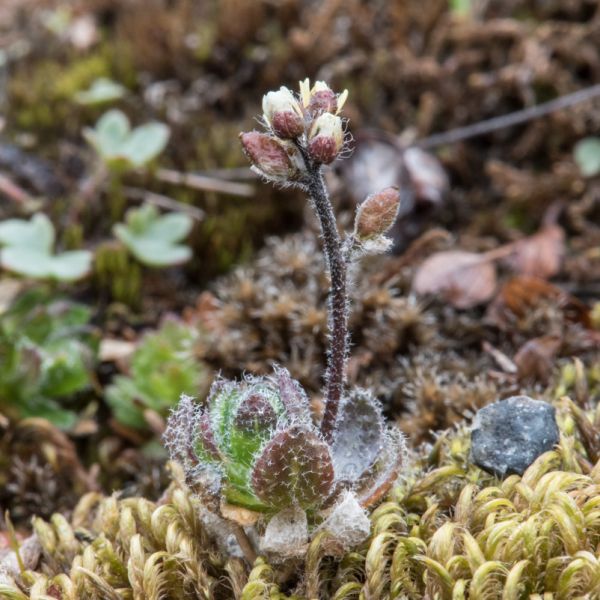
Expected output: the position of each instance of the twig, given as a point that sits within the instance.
(244, 542)
(164, 202)
(233, 174)
(12, 191)
(201, 182)
(503, 121)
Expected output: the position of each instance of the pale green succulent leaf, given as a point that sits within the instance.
(145, 143)
(150, 237)
(37, 233)
(587, 156)
(101, 91)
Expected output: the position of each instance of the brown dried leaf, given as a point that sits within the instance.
(427, 176)
(540, 254)
(524, 293)
(465, 279)
(535, 358)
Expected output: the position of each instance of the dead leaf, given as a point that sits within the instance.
(503, 361)
(239, 515)
(523, 293)
(112, 350)
(535, 358)
(427, 176)
(465, 279)
(540, 254)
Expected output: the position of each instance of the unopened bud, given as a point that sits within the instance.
(283, 114)
(321, 99)
(322, 102)
(326, 138)
(377, 214)
(270, 157)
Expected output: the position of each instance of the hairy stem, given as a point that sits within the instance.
(338, 312)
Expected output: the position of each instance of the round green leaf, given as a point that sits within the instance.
(587, 156)
(36, 234)
(145, 143)
(102, 90)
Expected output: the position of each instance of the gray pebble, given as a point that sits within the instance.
(507, 436)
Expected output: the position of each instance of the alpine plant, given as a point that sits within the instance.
(255, 451)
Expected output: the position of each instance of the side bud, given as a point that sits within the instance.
(377, 214)
(270, 157)
(326, 138)
(283, 114)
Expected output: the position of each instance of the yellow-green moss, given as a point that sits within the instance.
(448, 531)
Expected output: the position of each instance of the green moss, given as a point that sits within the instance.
(41, 94)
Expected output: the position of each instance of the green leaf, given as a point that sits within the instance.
(48, 352)
(152, 238)
(110, 134)
(101, 91)
(163, 367)
(49, 409)
(25, 261)
(66, 367)
(172, 227)
(35, 234)
(68, 266)
(119, 146)
(587, 156)
(145, 143)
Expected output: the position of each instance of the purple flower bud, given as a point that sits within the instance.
(283, 114)
(287, 125)
(326, 138)
(270, 156)
(323, 101)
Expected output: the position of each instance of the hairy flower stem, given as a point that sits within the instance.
(338, 311)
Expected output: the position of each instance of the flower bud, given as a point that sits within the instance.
(377, 214)
(321, 99)
(326, 138)
(270, 157)
(283, 114)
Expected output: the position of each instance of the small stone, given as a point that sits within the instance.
(507, 436)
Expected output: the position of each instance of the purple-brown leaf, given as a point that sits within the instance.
(294, 467)
(255, 412)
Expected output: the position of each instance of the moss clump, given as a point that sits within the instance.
(448, 530)
(42, 93)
